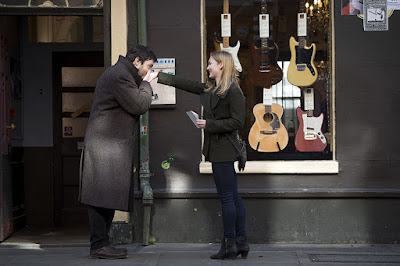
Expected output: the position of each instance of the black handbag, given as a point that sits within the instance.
(241, 150)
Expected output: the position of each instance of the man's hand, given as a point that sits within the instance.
(150, 76)
(201, 123)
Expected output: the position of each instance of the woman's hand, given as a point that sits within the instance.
(150, 76)
(201, 123)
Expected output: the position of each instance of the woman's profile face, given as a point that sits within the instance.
(214, 68)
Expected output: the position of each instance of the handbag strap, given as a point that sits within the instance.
(233, 143)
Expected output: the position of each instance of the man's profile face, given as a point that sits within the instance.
(144, 67)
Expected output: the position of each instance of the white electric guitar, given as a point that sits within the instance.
(224, 46)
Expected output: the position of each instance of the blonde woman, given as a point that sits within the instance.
(224, 112)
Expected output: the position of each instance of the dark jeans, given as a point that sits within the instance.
(233, 210)
(100, 220)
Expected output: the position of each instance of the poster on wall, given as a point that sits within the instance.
(163, 94)
(375, 15)
(393, 4)
(352, 7)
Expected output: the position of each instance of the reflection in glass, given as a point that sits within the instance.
(56, 29)
(81, 76)
(74, 101)
(53, 3)
(98, 29)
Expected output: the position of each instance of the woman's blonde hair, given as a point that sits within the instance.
(228, 74)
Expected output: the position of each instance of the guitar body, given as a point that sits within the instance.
(265, 71)
(234, 52)
(309, 136)
(301, 71)
(268, 134)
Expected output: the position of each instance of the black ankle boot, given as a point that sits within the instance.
(242, 246)
(228, 250)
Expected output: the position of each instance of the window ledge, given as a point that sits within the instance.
(282, 167)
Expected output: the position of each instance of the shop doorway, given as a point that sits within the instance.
(75, 77)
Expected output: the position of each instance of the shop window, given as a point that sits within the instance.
(288, 89)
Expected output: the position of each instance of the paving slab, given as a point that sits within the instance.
(177, 254)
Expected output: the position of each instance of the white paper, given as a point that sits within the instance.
(267, 97)
(193, 116)
(301, 24)
(309, 99)
(264, 25)
(393, 4)
(226, 25)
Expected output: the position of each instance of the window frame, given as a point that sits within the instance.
(282, 166)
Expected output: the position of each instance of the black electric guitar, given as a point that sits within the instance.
(302, 71)
(265, 70)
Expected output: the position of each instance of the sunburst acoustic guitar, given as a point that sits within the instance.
(268, 134)
(301, 71)
(265, 70)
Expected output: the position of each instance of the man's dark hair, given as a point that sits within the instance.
(141, 52)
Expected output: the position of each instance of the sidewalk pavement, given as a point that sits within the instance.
(177, 254)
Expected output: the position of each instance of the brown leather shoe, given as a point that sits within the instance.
(107, 252)
(119, 249)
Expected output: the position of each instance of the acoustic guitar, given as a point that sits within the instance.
(268, 134)
(301, 71)
(309, 136)
(224, 46)
(265, 70)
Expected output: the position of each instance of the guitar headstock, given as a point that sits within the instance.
(263, 7)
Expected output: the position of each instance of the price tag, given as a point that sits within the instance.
(301, 24)
(264, 25)
(267, 97)
(309, 99)
(226, 25)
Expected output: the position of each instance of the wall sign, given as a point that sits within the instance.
(164, 95)
(375, 15)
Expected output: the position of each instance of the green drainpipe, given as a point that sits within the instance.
(144, 173)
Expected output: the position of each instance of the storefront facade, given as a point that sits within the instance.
(348, 192)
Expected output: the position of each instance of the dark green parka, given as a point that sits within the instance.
(223, 114)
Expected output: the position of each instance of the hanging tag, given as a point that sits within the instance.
(267, 97)
(309, 99)
(226, 25)
(264, 25)
(301, 24)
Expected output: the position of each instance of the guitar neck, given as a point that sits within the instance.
(310, 113)
(302, 42)
(302, 7)
(225, 40)
(226, 7)
(302, 39)
(264, 43)
(267, 99)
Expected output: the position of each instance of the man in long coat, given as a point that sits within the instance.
(123, 92)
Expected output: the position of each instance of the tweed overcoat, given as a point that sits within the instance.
(223, 114)
(107, 158)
